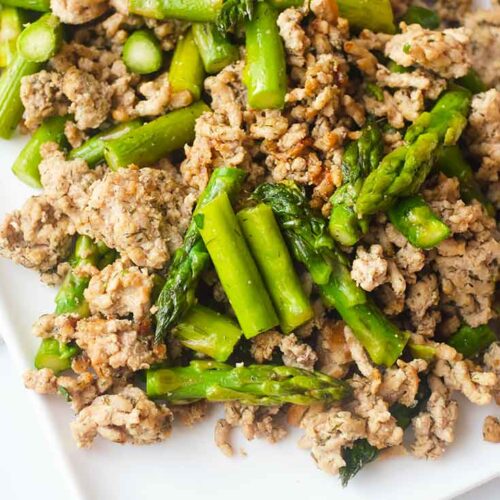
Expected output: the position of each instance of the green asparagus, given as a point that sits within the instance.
(154, 140)
(11, 25)
(38, 5)
(55, 355)
(215, 49)
(266, 243)
(70, 300)
(186, 69)
(472, 82)
(375, 15)
(402, 172)
(470, 341)
(11, 107)
(225, 13)
(209, 332)
(254, 384)
(420, 15)
(191, 259)
(142, 53)
(361, 453)
(451, 161)
(235, 266)
(92, 150)
(25, 168)
(311, 245)
(360, 158)
(265, 68)
(40, 40)
(418, 223)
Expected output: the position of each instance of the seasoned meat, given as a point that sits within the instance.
(37, 236)
(444, 52)
(126, 417)
(119, 290)
(256, 421)
(116, 344)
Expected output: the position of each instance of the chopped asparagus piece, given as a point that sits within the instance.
(215, 49)
(191, 259)
(25, 168)
(235, 266)
(11, 107)
(154, 140)
(92, 150)
(186, 68)
(470, 341)
(142, 53)
(55, 355)
(418, 223)
(265, 69)
(269, 249)
(209, 332)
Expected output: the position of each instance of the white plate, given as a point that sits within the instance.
(188, 465)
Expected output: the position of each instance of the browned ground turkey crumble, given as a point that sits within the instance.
(491, 429)
(143, 213)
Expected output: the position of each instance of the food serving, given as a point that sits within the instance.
(284, 207)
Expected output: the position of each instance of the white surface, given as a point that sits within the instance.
(188, 465)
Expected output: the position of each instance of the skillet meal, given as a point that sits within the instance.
(284, 207)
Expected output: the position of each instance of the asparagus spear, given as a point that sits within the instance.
(11, 25)
(92, 150)
(186, 68)
(311, 245)
(472, 82)
(154, 140)
(235, 266)
(375, 15)
(360, 158)
(451, 161)
(265, 69)
(55, 355)
(38, 5)
(142, 53)
(25, 168)
(70, 300)
(402, 172)
(40, 40)
(356, 457)
(215, 49)
(470, 341)
(418, 223)
(191, 259)
(11, 107)
(420, 15)
(266, 243)
(225, 13)
(254, 384)
(209, 332)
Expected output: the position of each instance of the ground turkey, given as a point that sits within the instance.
(126, 417)
(119, 290)
(37, 236)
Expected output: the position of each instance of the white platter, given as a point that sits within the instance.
(188, 465)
